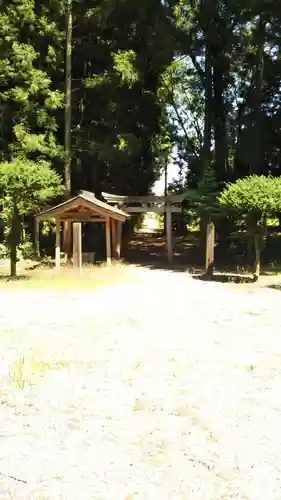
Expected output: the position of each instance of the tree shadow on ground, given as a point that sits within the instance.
(226, 278)
(21, 277)
(44, 263)
(162, 266)
(149, 251)
(275, 286)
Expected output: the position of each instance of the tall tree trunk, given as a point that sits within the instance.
(257, 161)
(68, 83)
(13, 261)
(208, 114)
(218, 33)
(220, 76)
(220, 50)
(219, 110)
(14, 240)
(206, 154)
(257, 265)
(165, 191)
(68, 115)
(208, 9)
(257, 229)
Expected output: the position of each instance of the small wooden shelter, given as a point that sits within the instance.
(85, 207)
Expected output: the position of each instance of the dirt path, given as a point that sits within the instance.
(165, 388)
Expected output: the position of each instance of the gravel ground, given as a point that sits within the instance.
(162, 388)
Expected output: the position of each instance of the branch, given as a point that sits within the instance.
(13, 477)
(196, 123)
(179, 118)
(198, 67)
(189, 141)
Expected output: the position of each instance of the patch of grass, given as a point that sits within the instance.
(17, 376)
(67, 278)
(23, 372)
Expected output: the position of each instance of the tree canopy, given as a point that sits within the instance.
(25, 186)
(199, 79)
(255, 195)
(196, 83)
(254, 198)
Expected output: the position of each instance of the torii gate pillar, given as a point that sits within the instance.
(169, 232)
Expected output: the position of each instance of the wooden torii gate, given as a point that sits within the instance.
(150, 203)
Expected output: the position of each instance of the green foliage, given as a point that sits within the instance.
(27, 99)
(254, 198)
(205, 197)
(25, 186)
(199, 81)
(26, 248)
(124, 64)
(28, 184)
(222, 89)
(4, 251)
(255, 195)
(119, 117)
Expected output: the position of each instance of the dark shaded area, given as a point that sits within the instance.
(275, 286)
(149, 250)
(7, 278)
(231, 263)
(94, 240)
(226, 278)
(45, 263)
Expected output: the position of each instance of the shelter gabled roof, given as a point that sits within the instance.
(87, 200)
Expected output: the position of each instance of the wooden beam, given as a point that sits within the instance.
(37, 237)
(77, 244)
(147, 209)
(108, 240)
(173, 198)
(74, 216)
(97, 219)
(82, 217)
(210, 249)
(119, 240)
(57, 243)
(114, 240)
(169, 233)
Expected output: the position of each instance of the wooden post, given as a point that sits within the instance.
(210, 249)
(169, 232)
(108, 241)
(36, 237)
(119, 240)
(57, 243)
(67, 235)
(77, 244)
(114, 241)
